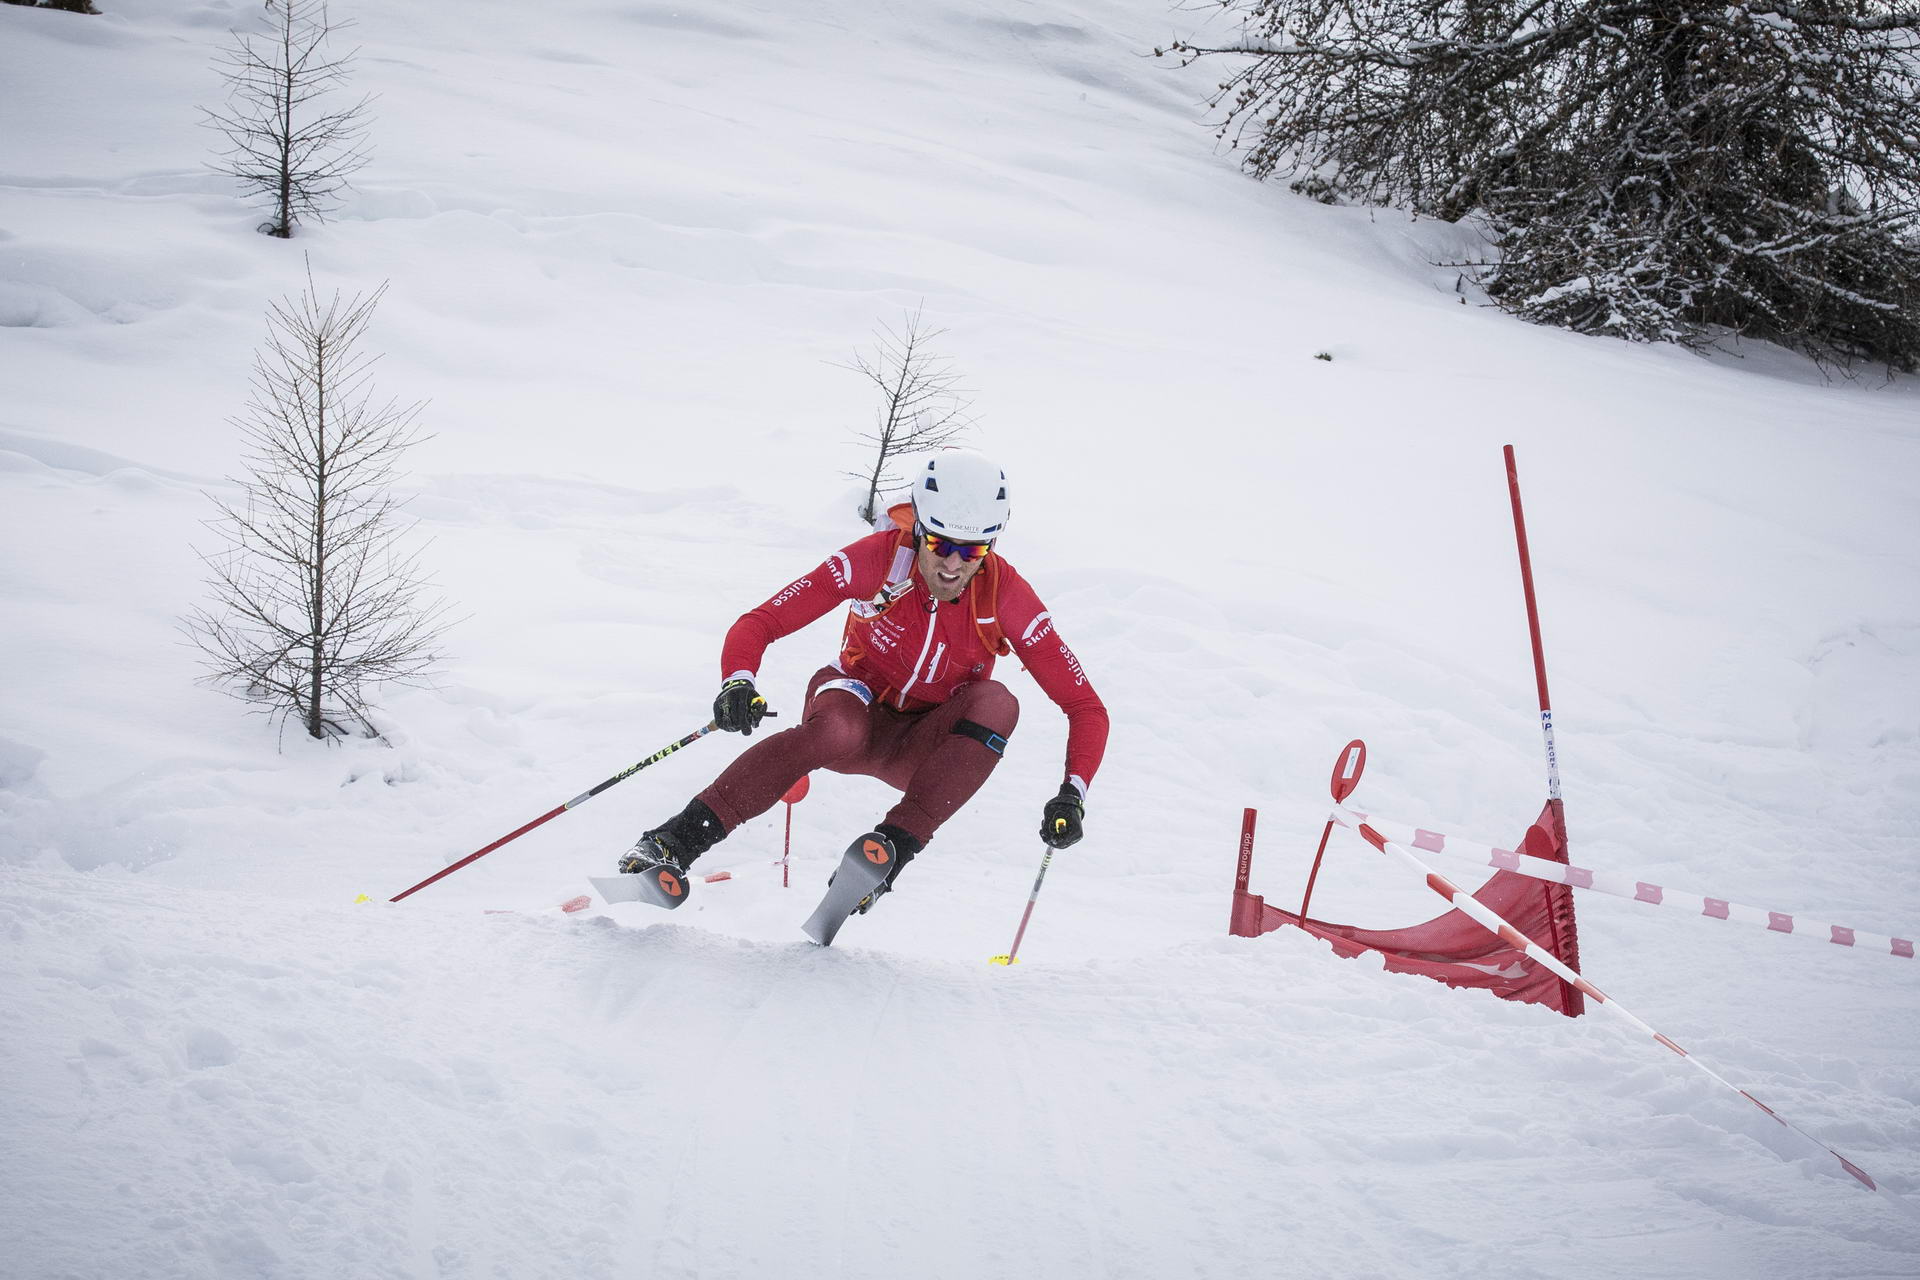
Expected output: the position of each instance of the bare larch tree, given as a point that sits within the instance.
(921, 405)
(284, 144)
(314, 602)
(1649, 169)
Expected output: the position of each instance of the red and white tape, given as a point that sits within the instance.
(1492, 920)
(1626, 886)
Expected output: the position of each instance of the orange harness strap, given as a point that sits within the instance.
(853, 648)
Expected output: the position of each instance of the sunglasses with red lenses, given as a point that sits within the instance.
(944, 547)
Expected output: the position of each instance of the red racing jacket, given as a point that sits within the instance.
(910, 652)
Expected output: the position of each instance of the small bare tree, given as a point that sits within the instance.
(284, 145)
(921, 406)
(313, 601)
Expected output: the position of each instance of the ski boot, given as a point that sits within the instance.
(655, 869)
(651, 871)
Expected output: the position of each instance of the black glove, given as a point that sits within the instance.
(1060, 820)
(738, 708)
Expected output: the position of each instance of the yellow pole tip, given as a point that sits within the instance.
(1004, 960)
(362, 898)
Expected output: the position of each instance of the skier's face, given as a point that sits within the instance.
(946, 576)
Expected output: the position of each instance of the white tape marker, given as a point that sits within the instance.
(1494, 923)
(1626, 886)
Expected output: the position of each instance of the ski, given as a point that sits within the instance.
(863, 869)
(661, 886)
(645, 886)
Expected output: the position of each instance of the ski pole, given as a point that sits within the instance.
(580, 799)
(1013, 953)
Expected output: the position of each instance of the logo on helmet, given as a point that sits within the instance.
(961, 495)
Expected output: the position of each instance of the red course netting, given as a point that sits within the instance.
(1456, 949)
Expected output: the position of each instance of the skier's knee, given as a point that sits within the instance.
(989, 703)
(833, 731)
(988, 713)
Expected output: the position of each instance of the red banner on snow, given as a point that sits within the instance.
(1454, 948)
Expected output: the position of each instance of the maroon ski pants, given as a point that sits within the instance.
(937, 757)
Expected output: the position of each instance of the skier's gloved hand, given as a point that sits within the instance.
(739, 708)
(1060, 820)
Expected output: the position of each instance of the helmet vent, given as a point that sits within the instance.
(933, 486)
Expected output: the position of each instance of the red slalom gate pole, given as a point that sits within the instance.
(795, 794)
(1347, 769)
(553, 813)
(1245, 918)
(1554, 802)
(1314, 874)
(1243, 872)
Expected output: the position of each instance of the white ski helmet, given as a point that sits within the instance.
(961, 495)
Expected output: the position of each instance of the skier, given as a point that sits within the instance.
(910, 699)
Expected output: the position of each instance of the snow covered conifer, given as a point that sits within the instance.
(920, 407)
(1645, 168)
(313, 601)
(284, 146)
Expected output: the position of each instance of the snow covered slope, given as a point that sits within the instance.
(627, 245)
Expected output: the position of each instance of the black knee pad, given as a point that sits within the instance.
(995, 742)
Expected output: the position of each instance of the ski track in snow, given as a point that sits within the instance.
(386, 1092)
(626, 257)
